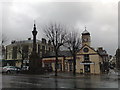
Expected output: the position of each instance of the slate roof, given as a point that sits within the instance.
(85, 33)
(60, 54)
(23, 42)
(26, 41)
(102, 53)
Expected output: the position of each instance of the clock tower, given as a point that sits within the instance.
(86, 38)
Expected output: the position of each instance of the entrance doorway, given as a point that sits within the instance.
(87, 68)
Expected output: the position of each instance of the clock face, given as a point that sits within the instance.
(85, 39)
(85, 49)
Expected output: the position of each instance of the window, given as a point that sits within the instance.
(9, 55)
(38, 49)
(59, 66)
(43, 51)
(86, 57)
(25, 51)
(49, 49)
(14, 53)
(48, 64)
(85, 49)
(52, 49)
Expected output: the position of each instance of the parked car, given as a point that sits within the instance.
(11, 69)
(48, 69)
(0, 69)
(25, 68)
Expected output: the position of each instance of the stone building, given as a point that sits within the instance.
(112, 62)
(88, 60)
(17, 53)
(64, 58)
(105, 59)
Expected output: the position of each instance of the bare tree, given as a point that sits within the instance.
(74, 45)
(56, 33)
(24, 51)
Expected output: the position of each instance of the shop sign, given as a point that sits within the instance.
(86, 63)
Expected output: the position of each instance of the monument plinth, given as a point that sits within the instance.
(35, 62)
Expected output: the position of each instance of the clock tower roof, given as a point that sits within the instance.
(85, 32)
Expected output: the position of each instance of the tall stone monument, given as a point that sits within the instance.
(35, 63)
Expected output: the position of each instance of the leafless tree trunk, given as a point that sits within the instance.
(23, 51)
(74, 45)
(56, 33)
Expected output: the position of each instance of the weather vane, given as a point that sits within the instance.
(85, 27)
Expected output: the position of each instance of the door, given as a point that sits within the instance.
(87, 68)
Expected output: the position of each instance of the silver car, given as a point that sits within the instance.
(11, 69)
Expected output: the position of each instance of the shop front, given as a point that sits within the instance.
(50, 63)
(87, 67)
(69, 65)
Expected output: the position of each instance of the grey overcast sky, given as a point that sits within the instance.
(100, 18)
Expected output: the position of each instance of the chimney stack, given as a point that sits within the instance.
(44, 40)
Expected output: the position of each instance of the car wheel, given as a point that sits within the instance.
(8, 71)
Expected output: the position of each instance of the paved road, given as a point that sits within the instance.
(63, 81)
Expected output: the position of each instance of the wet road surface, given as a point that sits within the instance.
(49, 81)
